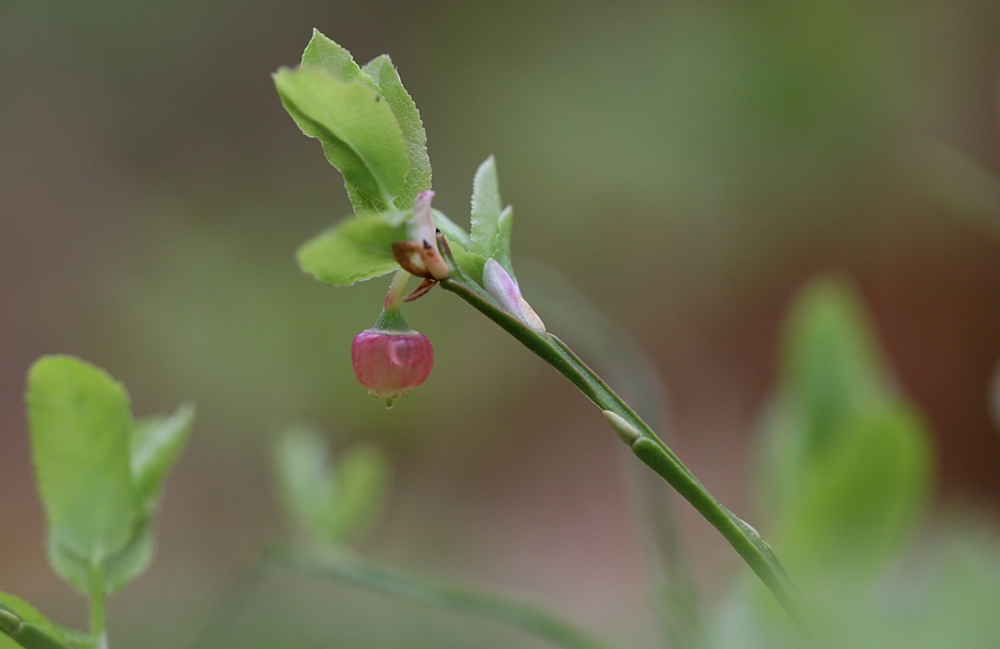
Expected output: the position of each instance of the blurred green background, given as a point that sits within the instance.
(689, 165)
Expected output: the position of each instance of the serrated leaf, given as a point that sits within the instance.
(325, 54)
(352, 251)
(357, 130)
(861, 500)
(487, 237)
(156, 442)
(384, 74)
(80, 426)
(451, 230)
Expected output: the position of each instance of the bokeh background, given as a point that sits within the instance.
(687, 165)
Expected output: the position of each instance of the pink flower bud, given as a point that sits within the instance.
(389, 363)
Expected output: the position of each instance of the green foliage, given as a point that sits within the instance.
(491, 223)
(357, 130)
(332, 504)
(352, 251)
(21, 625)
(385, 76)
(849, 457)
(80, 425)
(99, 474)
(371, 130)
(846, 475)
(365, 120)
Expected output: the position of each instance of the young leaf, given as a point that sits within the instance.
(155, 444)
(325, 54)
(362, 479)
(357, 130)
(451, 230)
(132, 560)
(832, 365)
(831, 371)
(329, 503)
(488, 238)
(352, 251)
(23, 627)
(385, 76)
(861, 500)
(80, 425)
(305, 480)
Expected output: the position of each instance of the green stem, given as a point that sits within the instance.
(646, 446)
(97, 601)
(526, 616)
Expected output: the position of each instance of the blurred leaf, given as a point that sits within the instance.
(156, 442)
(832, 365)
(362, 488)
(329, 504)
(385, 76)
(861, 501)
(491, 224)
(357, 130)
(454, 232)
(352, 251)
(80, 426)
(831, 370)
(305, 480)
(133, 559)
(35, 630)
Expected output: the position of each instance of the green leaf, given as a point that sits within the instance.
(831, 370)
(352, 251)
(385, 76)
(156, 442)
(451, 230)
(861, 501)
(80, 425)
(357, 130)
(362, 479)
(490, 238)
(132, 560)
(32, 630)
(832, 365)
(325, 54)
(330, 504)
(305, 480)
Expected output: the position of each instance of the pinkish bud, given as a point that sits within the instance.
(389, 363)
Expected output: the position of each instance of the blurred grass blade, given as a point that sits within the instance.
(521, 614)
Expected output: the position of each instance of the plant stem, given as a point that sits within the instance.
(419, 589)
(646, 445)
(97, 615)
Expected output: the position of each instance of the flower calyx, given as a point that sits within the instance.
(419, 255)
